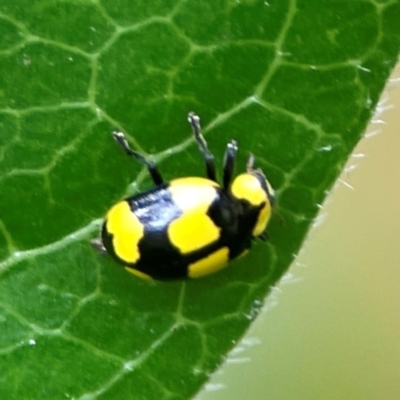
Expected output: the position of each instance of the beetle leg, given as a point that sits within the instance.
(264, 236)
(229, 162)
(151, 165)
(97, 244)
(194, 121)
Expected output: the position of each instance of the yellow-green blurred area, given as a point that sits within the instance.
(331, 330)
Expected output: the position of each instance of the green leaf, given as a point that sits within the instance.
(294, 82)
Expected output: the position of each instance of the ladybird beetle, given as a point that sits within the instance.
(188, 227)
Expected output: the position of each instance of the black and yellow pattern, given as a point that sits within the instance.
(189, 227)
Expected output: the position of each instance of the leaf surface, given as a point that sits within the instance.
(294, 82)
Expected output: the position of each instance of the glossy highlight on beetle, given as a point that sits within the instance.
(188, 227)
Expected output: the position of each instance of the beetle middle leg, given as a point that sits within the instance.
(151, 165)
(194, 121)
(229, 162)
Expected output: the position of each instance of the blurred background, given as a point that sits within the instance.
(331, 329)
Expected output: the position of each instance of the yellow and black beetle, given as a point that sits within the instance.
(188, 227)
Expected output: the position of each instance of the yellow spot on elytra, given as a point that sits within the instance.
(210, 264)
(127, 230)
(194, 229)
(193, 181)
